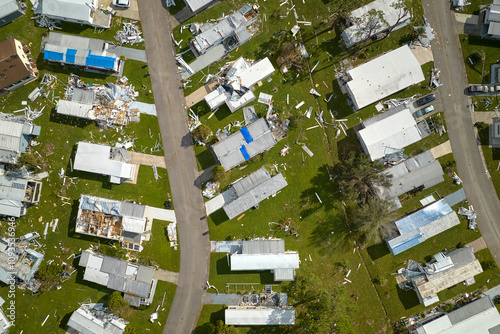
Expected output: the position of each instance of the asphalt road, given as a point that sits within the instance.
(477, 183)
(182, 170)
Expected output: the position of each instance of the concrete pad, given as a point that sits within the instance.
(136, 174)
(146, 159)
(467, 18)
(423, 54)
(478, 244)
(215, 204)
(483, 116)
(132, 12)
(199, 94)
(440, 150)
(129, 53)
(165, 275)
(162, 214)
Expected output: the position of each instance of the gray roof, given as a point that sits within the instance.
(470, 310)
(132, 209)
(494, 131)
(12, 194)
(255, 195)
(421, 170)
(259, 316)
(13, 138)
(196, 5)
(145, 274)
(85, 323)
(228, 150)
(263, 246)
(67, 9)
(494, 29)
(9, 10)
(249, 182)
(129, 286)
(85, 96)
(112, 207)
(114, 266)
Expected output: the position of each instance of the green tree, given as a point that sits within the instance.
(370, 23)
(118, 305)
(202, 132)
(371, 217)
(324, 309)
(403, 8)
(357, 177)
(48, 275)
(220, 328)
(218, 173)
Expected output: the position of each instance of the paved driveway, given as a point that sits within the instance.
(182, 170)
(477, 184)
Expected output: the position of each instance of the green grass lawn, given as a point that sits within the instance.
(474, 70)
(474, 6)
(323, 233)
(59, 198)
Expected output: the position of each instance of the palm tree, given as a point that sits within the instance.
(371, 217)
(357, 176)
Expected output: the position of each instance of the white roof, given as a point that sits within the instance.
(69, 9)
(76, 109)
(355, 33)
(10, 135)
(265, 261)
(135, 225)
(479, 323)
(397, 131)
(197, 4)
(258, 71)
(383, 76)
(259, 316)
(95, 158)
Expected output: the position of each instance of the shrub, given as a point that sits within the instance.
(202, 133)
(218, 173)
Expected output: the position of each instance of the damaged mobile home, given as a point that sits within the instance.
(15, 139)
(446, 270)
(95, 318)
(88, 54)
(360, 30)
(230, 32)
(114, 220)
(19, 261)
(381, 77)
(266, 255)
(17, 194)
(135, 281)
(235, 81)
(421, 225)
(109, 105)
(105, 160)
(266, 308)
(243, 145)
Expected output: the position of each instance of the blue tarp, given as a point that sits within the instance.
(52, 55)
(100, 61)
(243, 150)
(246, 135)
(70, 56)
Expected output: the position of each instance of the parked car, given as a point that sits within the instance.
(121, 3)
(425, 111)
(426, 99)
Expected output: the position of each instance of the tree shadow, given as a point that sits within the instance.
(408, 298)
(69, 120)
(63, 323)
(219, 217)
(378, 251)
(323, 188)
(222, 267)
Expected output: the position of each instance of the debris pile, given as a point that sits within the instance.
(109, 105)
(172, 235)
(434, 80)
(44, 22)
(470, 214)
(211, 189)
(130, 34)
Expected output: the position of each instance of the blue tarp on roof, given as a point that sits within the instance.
(423, 217)
(100, 61)
(52, 55)
(243, 150)
(70, 56)
(246, 135)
